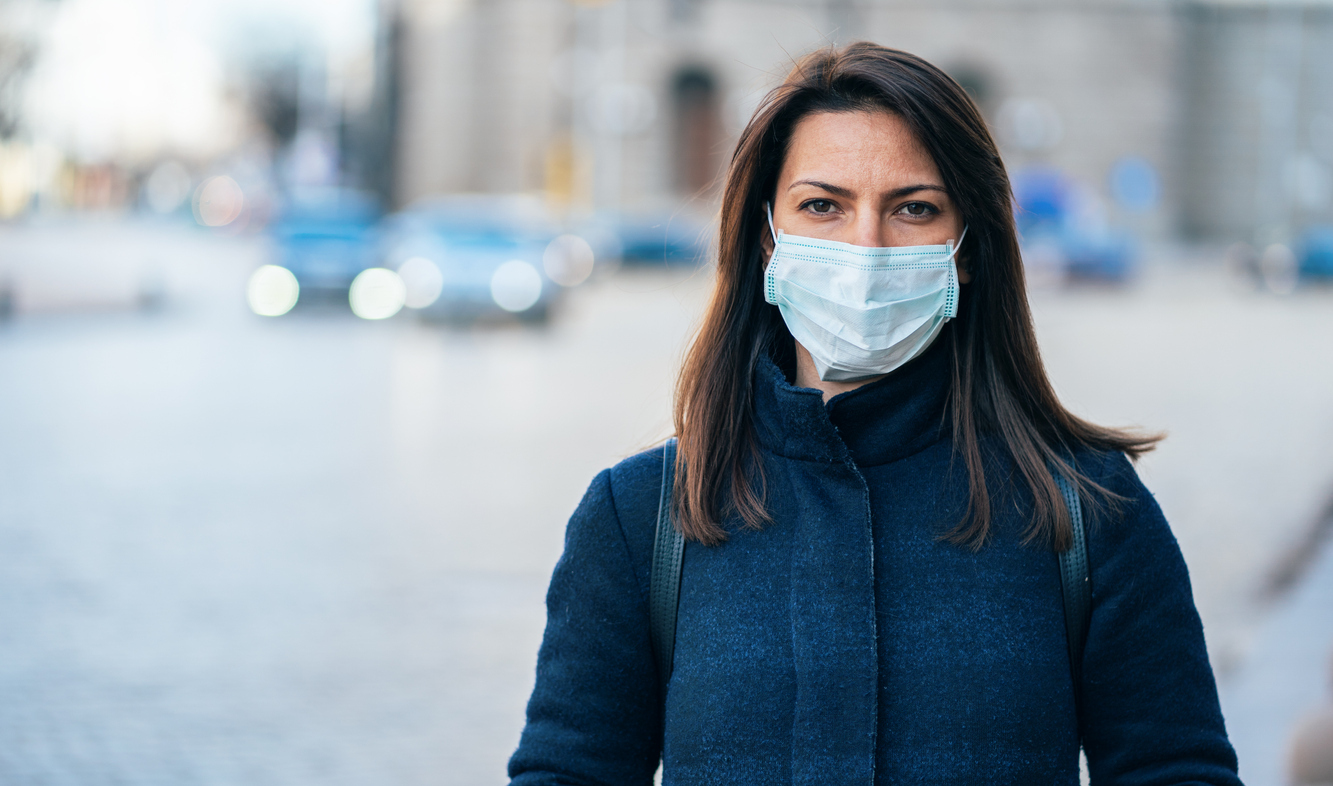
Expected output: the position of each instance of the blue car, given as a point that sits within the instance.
(1315, 254)
(663, 238)
(1104, 257)
(325, 239)
(468, 257)
(1046, 215)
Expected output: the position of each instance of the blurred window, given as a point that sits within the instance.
(698, 129)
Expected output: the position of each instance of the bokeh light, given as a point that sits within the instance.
(272, 291)
(377, 293)
(218, 202)
(167, 187)
(1030, 124)
(568, 260)
(1278, 269)
(516, 286)
(423, 280)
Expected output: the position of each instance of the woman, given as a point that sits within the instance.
(864, 476)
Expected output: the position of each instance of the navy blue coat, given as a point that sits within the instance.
(845, 643)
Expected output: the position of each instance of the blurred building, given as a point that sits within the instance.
(1256, 102)
(1211, 119)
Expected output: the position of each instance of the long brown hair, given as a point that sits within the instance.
(999, 384)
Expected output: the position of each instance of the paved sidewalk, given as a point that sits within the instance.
(1285, 678)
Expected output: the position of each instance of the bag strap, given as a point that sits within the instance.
(1075, 581)
(664, 578)
(668, 558)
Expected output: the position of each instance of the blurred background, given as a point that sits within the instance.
(318, 316)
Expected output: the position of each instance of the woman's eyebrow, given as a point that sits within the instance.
(829, 187)
(896, 193)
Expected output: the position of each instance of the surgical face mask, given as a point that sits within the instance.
(861, 311)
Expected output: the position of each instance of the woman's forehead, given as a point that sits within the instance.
(860, 149)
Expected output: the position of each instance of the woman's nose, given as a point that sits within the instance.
(868, 230)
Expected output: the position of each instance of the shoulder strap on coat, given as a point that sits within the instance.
(664, 580)
(1075, 580)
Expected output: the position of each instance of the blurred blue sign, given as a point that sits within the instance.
(1134, 184)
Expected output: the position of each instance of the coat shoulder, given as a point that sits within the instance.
(1121, 496)
(1106, 466)
(636, 490)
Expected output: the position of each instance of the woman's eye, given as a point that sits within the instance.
(917, 209)
(820, 206)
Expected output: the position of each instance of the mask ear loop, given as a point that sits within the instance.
(953, 257)
(774, 232)
(953, 247)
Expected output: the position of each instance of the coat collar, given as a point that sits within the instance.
(887, 420)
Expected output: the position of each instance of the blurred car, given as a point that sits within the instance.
(666, 238)
(468, 257)
(326, 238)
(1063, 230)
(1102, 257)
(1315, 253)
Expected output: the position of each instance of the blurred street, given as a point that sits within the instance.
(317, 317)
(313, 549)
(309, 550)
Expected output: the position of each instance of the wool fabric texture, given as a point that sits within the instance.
(846, 643)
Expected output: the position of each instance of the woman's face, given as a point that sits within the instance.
(863, 178)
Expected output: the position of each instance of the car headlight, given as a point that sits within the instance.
(423, 280)
(272, 291)
(516, 286)
(377, 293)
